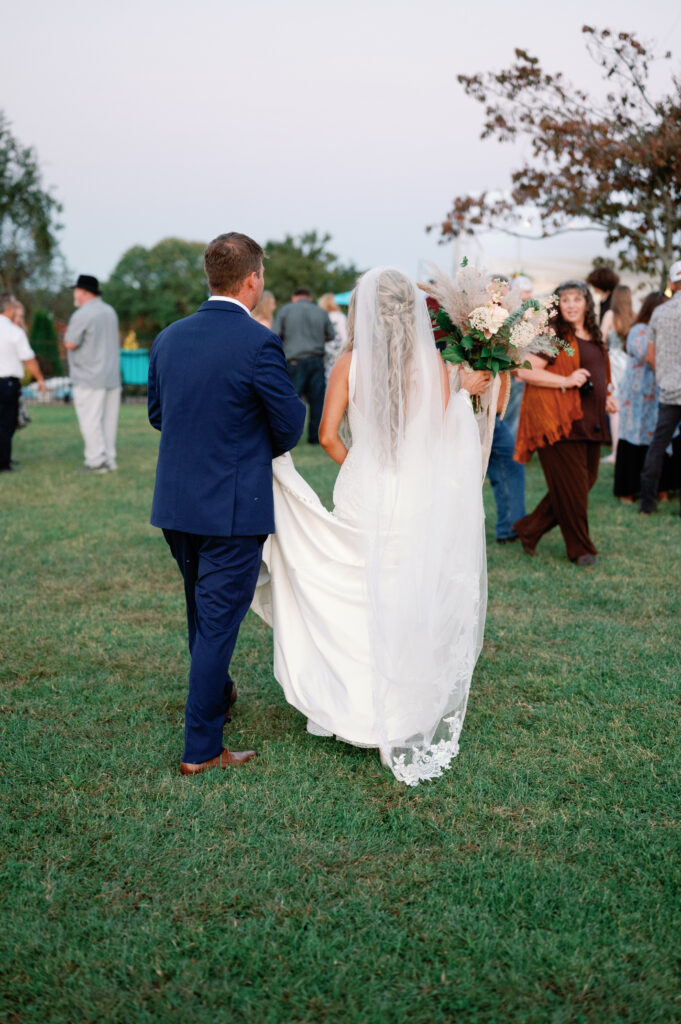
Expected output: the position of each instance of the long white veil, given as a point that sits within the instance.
(421, 517)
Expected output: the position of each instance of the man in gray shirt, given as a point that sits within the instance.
(664, 340)
(304, 329)
(93, 345)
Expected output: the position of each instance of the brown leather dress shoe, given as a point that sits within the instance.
(225, 760)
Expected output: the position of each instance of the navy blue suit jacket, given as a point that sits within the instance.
(220, 394)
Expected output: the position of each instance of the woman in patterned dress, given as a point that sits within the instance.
(638, 407)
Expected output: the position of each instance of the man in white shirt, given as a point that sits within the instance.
(93, 345)
(16, 356)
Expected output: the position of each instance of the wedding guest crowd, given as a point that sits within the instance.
(628, 367)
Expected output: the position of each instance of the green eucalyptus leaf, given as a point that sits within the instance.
(444, 321)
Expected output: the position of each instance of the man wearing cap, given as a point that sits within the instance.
(93, 346)
(664, 353)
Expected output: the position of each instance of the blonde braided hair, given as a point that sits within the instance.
(392, 354)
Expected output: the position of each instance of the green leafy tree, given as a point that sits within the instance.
(44, 343)
(150, 288)
(305, 261)
(28, 232)
(613, 164)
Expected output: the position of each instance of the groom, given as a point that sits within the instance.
(220, 394)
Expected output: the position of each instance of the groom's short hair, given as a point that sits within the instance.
(229, 259)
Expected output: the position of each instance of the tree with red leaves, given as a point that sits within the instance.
(613, 165)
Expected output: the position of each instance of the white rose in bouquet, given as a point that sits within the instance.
(488, 318)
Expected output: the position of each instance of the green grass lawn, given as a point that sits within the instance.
(537, 881)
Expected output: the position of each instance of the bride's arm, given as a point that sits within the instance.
(335, 404)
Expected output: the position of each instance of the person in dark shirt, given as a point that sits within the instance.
(304, 329)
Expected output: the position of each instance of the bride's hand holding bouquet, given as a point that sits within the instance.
(475, 382)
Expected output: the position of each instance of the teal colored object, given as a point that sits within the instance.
(343, 298)
(134, 366)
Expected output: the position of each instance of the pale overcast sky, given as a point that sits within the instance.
(157, 117)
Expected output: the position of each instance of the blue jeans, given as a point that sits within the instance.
(508, 481)
(512, 414)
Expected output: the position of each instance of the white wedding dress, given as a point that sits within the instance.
(378, 608)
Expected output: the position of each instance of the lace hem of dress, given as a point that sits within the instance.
(424, 763)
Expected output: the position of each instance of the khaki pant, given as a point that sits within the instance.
(97, 412)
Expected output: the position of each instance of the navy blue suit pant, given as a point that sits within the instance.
(220, 574)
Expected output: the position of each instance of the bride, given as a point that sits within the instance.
(378, 608)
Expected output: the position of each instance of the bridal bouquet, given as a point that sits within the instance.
(485, 324)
